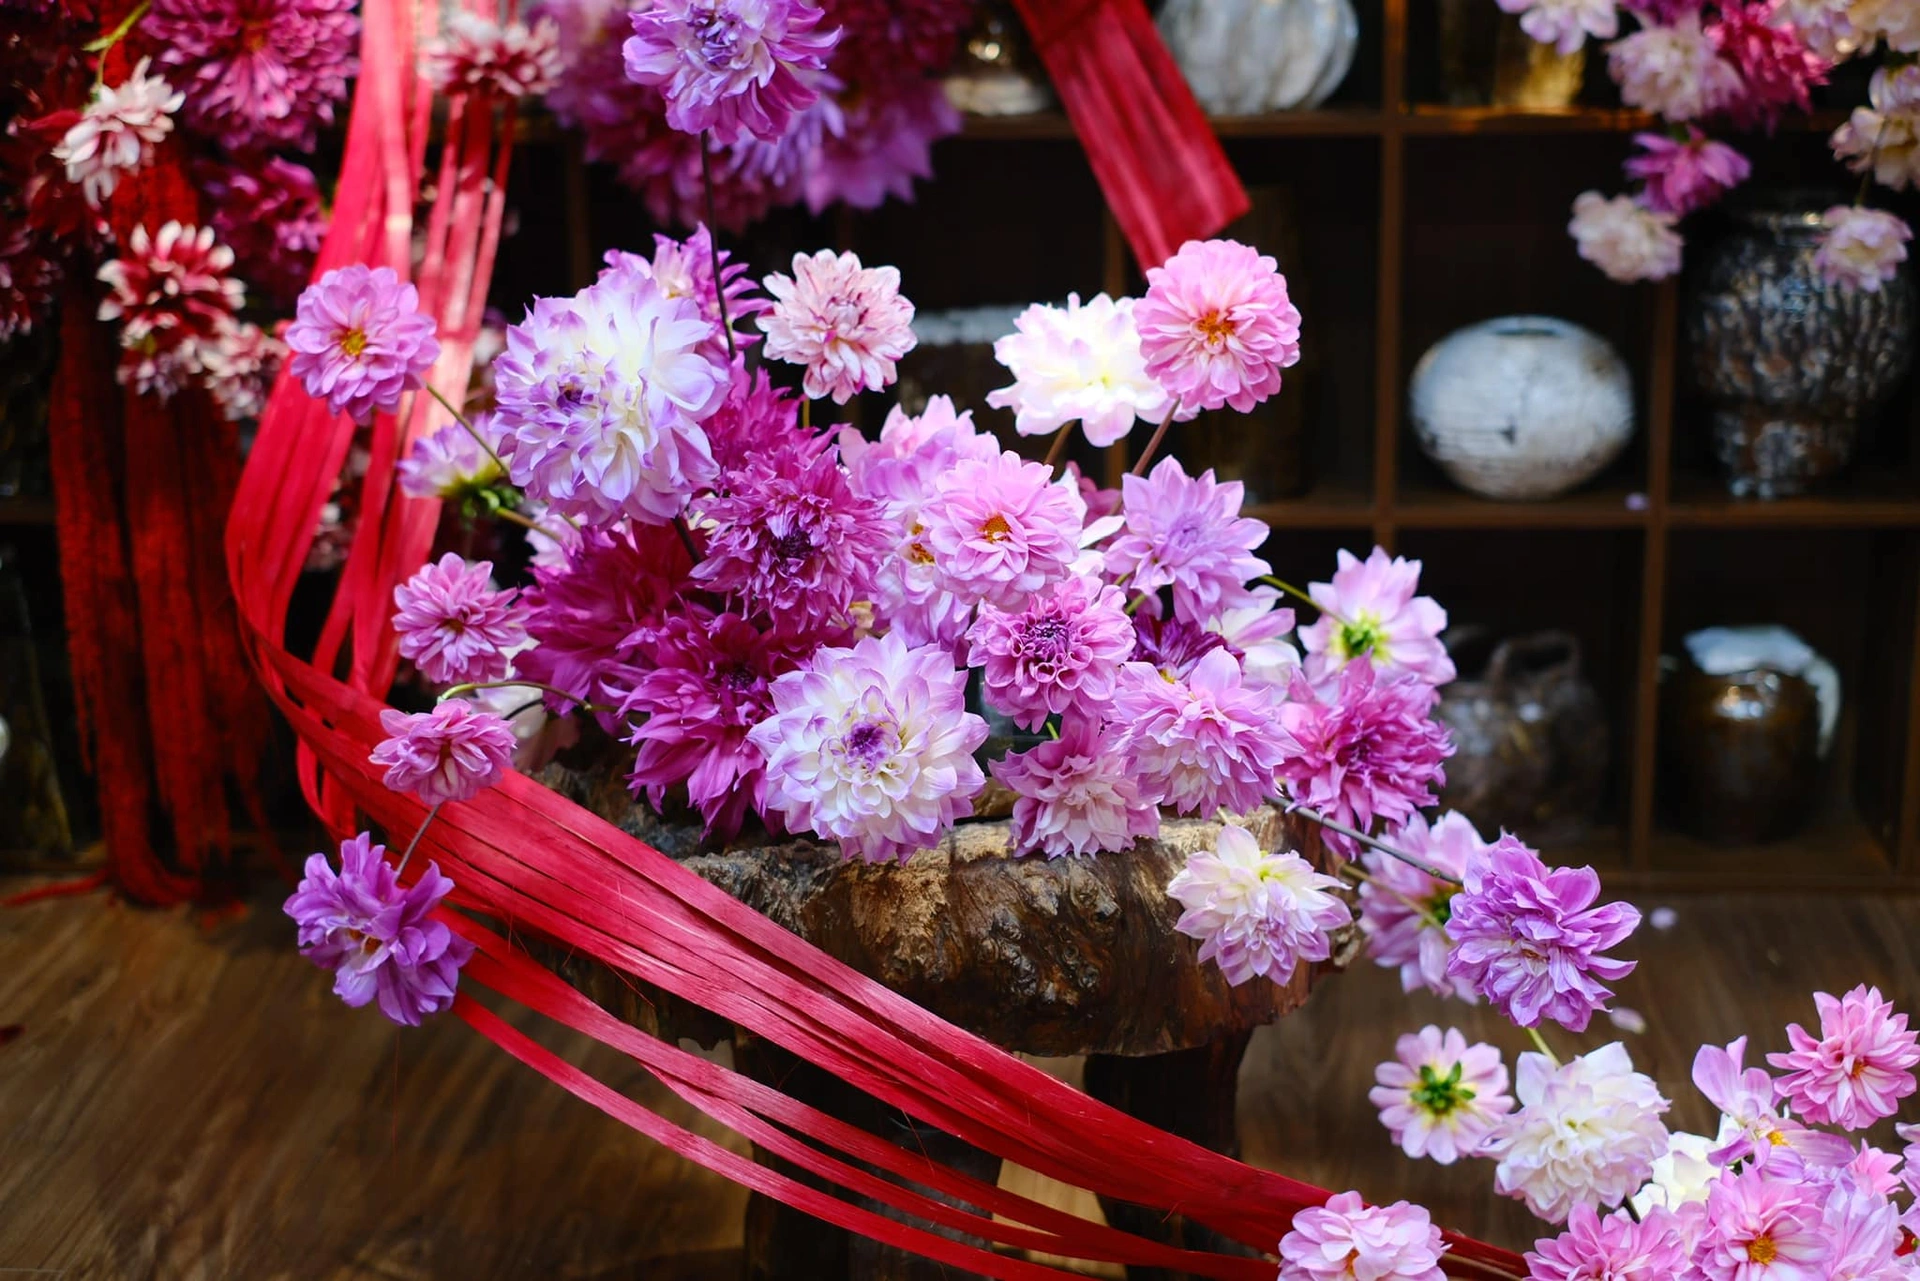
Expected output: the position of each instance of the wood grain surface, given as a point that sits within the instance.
(188, 1100)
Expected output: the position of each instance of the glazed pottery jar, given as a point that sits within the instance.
(1530, 740)
(1523, 407)
(1791, 366)
(1243, 57)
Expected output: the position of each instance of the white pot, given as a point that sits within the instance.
(1523, 407)
(1243, 57)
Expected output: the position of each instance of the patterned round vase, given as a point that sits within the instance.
(1791, 366)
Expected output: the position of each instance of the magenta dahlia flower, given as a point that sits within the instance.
(1404, 911)
(709, 686)
(872, 747)
(454, 625)
(1683, 176)
(1186, 532)
(684, 269)
(1062, 653)
(1370, 609)
(451, 753)
(1346, 1238)
(1440, 1097)
(1616, 1248)
(1362, 750)
(1203, 743)
(756, 420)
(735, 68)
(1528, 938)
(257, 73)
(1216, 325)
(1761, 1229)
(1858, 1069)
(379, 939)
(1001, 528)
(1256, 914)
(1073, 794)
(360, 341)
(1777, 70)
(1174, 647)
(885, 41)
(173, 298)
(846, 324)
(789, 538)
(269, 213)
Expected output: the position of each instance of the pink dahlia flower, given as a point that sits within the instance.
(117, 132)
(1675, 71)
(1859, 1068)
(1257, 914)
(451, 753)
(1186, 532)
(1682, 177)
(735, 68)
(1761, 1229)
(454, 625)
(1074, 794)
(1587, 1132)
(1216, 326)
(1624, 238)
(1346, 1239)
(1777, 71)
(1528, 938)
(1001, 529)
(379, 939)
(788, 537)
(360, 341)
(1565, 24)
(872, 747)
(1370, 608)
(269, 213)
(1862, 248)
(1203, 743)
(450, 463)
(883, 141)
(1362, 750)
(1078, 363)
(478, 55)
(1404, 912)
(257, 73)
(693, 709)
(1752, 1128)
(1062, 653)
(1615, 1248)
(173, 298)
(1440, 1097)
(1256, 630)
(756, 420)
(1174, 648)
(846, 324)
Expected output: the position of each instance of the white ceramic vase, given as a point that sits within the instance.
(1243, 57)
(1523, 407)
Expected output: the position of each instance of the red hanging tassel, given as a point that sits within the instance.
(1149, 143)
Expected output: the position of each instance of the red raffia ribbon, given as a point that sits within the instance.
(524, 855)
(1163, 171)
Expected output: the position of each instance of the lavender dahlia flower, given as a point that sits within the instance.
(873, 747)
(359, 340)
(451, 753)
(450, 464)
(1528, 938)
(456, 627)
(1186, 532)
(379, 939)
(1202, 743)
(735, 68)
(684, 269)
(1061, 653)
(1404, 912)
(1370, 610)
(269, 212)
(1256, 914)
(1075, 795)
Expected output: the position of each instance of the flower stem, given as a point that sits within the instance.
(1419, 865)
(1343, 868)
(471, 429)
(416, 837)
(1540, 1044)
(105, 43)
(1059, 445)
(1299, 595)
(1159, 433)
(1137, 602)
(806, 413)
(515, 683)
(525, 522)
(686, 539)
(713, 243)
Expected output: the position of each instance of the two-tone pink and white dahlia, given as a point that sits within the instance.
(845, 324)
(1000, 528)
(117, 132)
(1257, 914)
(173, 298)
(1202, 743)
(478, 55)
(1078, 363)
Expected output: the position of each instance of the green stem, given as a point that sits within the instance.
(1299, 595)
(713, 243)
(513, 517)
(1137, 602)
(806, 413)
(469, 686)
(1059, 445)
(1425, 913)
(471, 429)
(112, 38)
(1540, 1044)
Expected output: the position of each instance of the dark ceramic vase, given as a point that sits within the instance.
(1530, 740)
(1739, 753)
(1791, 366)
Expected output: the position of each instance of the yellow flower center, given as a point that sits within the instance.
(996, 530)
(353, 342)
(1215, 328)
(1762, 1250)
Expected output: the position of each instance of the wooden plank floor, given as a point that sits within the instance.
(185, 1101)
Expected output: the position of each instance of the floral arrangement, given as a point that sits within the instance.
(1743, 64)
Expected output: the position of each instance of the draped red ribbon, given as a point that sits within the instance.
(524, 855)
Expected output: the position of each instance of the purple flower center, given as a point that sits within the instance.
(794, 544)
(1046, 641)
(718, 37)
(868, 744)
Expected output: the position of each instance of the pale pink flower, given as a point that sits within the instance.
(1866, 1241)
(1257, 629)
(1186, 532)
(1827, 26)
(846, 324)
(1078, 363)
(1673, 71)
(1202, 743)
(1752, 1129)
(1074, 794)
(1440, 1097)
(1862, 248)
(1872, 1170)
(450, 463)
(1061, 653)
(1859, 1068)
(1616, 1248)
(479, 55)
(1216, 325)
(1256, 914)
(1761, 1229)
(1002, 528)
(1895, 21)
(359, 340)
(1403, 911)
(1587, 1132)
(1681, 177)
(1565, 24)
(451, 753)
(1370, 609)
(117, 132)
(1625, 239)
(1348, 1240)
(454, 625)
(1885, 136)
